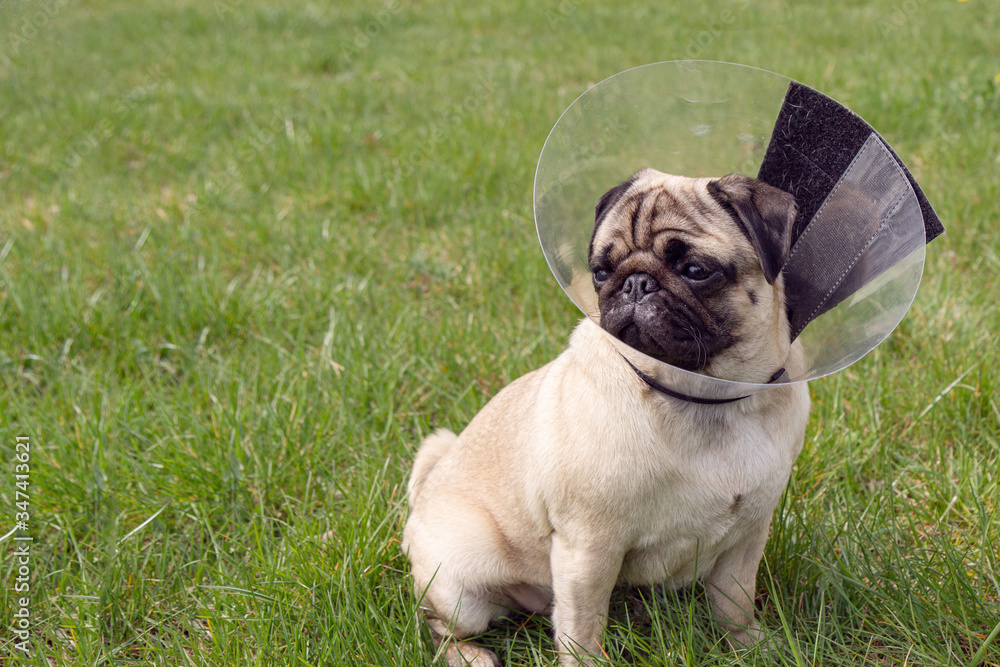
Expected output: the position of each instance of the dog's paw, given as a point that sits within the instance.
(467, 654)
(756, 640)
(741, 640)
(744, 638)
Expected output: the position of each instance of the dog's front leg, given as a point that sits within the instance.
(584, 573)
(731, 588)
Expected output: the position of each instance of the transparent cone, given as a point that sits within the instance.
(855, 268)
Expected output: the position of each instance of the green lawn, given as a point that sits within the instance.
(251, 253)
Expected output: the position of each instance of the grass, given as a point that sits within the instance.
(251, 254)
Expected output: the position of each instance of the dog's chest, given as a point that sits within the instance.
(699, 499)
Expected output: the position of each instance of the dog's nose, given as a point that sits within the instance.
(638, 285)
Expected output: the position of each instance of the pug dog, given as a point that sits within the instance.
(590, 472)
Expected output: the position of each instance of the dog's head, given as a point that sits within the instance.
(686, 269)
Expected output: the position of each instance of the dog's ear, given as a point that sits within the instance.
(763, 213)
(610, 198)
(607, 202)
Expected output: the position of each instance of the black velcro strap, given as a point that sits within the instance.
(815, 139)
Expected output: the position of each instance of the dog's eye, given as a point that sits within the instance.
(696, 272)
(600, 275)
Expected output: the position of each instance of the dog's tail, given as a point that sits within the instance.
(431, 450)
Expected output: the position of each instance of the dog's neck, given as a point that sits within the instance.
(677, 384)
(666, 391)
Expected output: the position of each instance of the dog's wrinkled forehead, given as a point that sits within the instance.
(652, 209)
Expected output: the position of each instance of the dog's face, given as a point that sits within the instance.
(685, 268)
